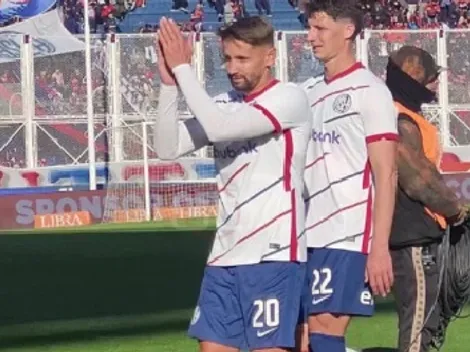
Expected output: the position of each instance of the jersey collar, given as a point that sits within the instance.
(356, 66)
(250, 97)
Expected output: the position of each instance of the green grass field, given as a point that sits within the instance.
(126, 288)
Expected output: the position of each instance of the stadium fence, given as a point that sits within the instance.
(43, 112)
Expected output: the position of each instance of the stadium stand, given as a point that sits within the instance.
(59, 81)
(206, 15)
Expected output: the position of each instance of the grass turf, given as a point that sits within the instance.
(118, 292)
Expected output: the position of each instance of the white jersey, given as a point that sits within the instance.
(351, 110)
(260, 182)
(261, 212)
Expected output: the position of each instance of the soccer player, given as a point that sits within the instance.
(351, 176)
(250, 292)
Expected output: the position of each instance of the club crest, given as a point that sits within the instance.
(342, 103)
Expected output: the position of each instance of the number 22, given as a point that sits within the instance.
(321, 282)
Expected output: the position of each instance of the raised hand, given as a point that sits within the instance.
(177, 50)
(166, 76)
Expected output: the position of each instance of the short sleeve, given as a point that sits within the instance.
(286, 107)
(379, 114)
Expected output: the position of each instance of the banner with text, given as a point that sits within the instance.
(191, 199)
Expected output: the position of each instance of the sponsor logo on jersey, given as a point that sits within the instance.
(232, 153)
(326, 137)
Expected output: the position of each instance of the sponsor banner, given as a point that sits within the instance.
(174, 200)
(460, 183)
(169, 201)
(68, 219)
(165, 213)
(50, 37)
(114, 173)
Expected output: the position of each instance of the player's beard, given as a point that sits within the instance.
(241, 83)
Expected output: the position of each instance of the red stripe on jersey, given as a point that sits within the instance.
(240, 169)
(382, 137)
(251, 234)
(293, 229)
(252, 96)
(368, 224)
(315, 161)
(289, 153)
(335, 213)
(271, 117)
(367, 175)
(337, 92)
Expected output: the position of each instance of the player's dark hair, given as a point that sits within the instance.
(339, 9)
(251, 30)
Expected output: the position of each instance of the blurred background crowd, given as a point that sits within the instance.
(205, 15)
(60, 84)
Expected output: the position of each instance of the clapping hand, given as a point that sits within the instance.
(176, 49)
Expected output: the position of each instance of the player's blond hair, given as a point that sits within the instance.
(251, 30)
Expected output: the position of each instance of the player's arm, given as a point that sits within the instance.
(380, 123)
(172, 137)
(418, 177)
(248, 120)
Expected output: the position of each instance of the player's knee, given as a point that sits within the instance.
(328, 324)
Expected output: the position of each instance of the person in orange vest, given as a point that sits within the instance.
(425, 206)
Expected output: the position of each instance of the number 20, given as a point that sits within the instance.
(321, 282)
(266, 313)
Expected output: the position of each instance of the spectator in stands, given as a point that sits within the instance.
(263, 7)
(181, 5)
(432, 11)
(197, 16)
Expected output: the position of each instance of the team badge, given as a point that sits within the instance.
(342, 103)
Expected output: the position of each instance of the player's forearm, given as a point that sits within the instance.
(219, 125)
(384, 205)
(166, 128)
(422, 182)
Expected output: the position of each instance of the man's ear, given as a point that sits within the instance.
(270, 57)
(349, 30)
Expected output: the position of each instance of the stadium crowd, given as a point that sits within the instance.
(379, 14)
(104, 15)
(60, 85)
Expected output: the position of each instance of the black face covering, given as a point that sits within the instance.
(405, 90)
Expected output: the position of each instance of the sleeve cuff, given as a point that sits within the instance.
(182, 69)
(168, 88)
(382, 137)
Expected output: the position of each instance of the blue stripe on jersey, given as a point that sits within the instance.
(345, 178)
(341, 117)
(249, 200)
(314, 85)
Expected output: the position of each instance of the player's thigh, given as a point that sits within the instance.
(218, 320)
(205, 346)
(337, 289)
(302, 338)
(302, 335)
(270, 295)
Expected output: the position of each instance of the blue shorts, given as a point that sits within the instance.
(250, 306)
(335, 283)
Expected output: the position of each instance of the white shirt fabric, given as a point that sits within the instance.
(260, 144)
(350, 111)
